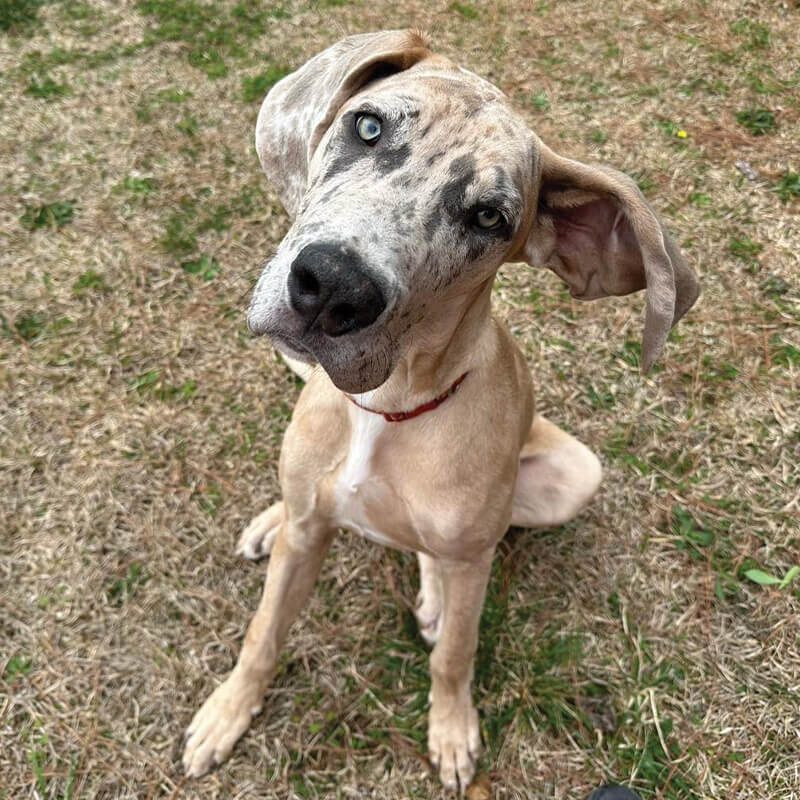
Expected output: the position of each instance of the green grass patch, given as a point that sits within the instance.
(788, 186)
(210, 497)
(150, 104)
(784, 353)
(212, 34)
(45, 88)
(775, 286)
(465, 9)
(700, 199)
(206, 267)
(754, 35)
(188, 126)
(758, 121)
(745, 249)
(120, 590)
(139, 185)
(256, 86)
(197, 215)
(179, 237)
(79, 10)
(705, 539)
(18, 16)
(646, 756)
(766, 579)
(49, 215)
(26, 326)
(539, 101)
(89, 281)
(152, 383)
(17, 665)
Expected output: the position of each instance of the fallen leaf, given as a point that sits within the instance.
(480, 788)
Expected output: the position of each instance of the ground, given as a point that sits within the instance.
(654, 640)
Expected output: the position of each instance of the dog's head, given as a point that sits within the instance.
(410, 182)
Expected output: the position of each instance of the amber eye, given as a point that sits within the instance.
(368, 128)
(488, 219)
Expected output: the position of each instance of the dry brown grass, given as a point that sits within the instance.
(124, 485)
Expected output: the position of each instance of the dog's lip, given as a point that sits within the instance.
(291, 343)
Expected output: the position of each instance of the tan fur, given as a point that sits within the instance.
(446, 484)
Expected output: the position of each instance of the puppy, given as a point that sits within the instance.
(410, 181)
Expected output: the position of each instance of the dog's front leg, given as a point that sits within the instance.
(295, 562)
(454, 739)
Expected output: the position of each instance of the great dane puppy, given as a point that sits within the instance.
(410, 181)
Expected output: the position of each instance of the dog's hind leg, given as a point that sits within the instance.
(258, 537)
(557, 477)
(294, 565)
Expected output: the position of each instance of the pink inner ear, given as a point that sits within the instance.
(598, 249)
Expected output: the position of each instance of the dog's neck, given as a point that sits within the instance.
(445, 346)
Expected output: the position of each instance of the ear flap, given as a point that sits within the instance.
(298, 110)
(595, 230)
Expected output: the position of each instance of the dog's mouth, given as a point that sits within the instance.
(351, 369)
(292, 347)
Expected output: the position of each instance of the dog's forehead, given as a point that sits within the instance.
(454, 111)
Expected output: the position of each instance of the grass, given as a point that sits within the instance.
(48, 215)
(652, 641)
(255, 87)
(212, 34)
(18, 15)
(758, 121)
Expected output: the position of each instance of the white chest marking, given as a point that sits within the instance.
(365, 431)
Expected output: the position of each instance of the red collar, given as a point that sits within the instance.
(401, 416)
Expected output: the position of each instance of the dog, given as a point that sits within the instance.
(409, 181)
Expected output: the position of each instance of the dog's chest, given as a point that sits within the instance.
(364, 502)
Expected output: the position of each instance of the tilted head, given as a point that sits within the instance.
(410, 181)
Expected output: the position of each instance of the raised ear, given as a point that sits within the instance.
(595, 230)
(298, 110)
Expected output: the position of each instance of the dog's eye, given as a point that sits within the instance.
(368, 128)
(488, 219)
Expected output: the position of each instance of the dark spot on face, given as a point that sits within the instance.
(402, 181)
(344, 161)
(329, 195)
(432, 223)
(426, 130)
(476, 247)
(434, 157)
(454, 192)
(390, 159)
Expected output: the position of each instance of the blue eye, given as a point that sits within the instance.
(488, 219)
(368, 128)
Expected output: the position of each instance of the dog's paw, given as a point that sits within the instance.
(219, 724)
(428, 612)
(258, 537)
(454, 745)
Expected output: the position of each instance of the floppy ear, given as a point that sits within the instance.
(595, 230)
(298, 110)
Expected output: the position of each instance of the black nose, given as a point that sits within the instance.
(329, 286)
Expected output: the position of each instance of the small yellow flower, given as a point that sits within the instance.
(681, 133)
